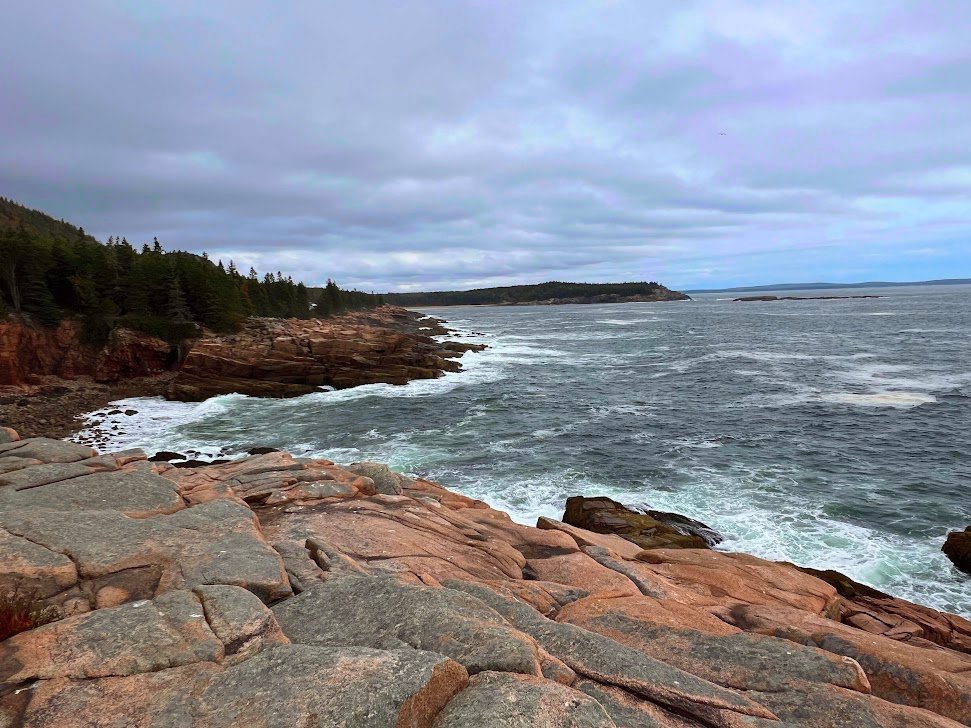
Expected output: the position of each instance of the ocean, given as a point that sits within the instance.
(832, 434)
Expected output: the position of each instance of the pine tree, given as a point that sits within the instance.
(177, 308)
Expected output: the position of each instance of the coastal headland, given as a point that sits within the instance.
(48, 377)
(282, 591)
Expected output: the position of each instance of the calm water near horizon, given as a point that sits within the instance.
(834, 434)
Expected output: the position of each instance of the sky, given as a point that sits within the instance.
(451, 144)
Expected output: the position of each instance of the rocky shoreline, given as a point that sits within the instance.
(49, 379)
(281, 591)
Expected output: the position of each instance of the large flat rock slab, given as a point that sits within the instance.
(381, 612)
(281, 687)
(133, 493)
(138, 637)
(738, 660)
(46, 450)
(214, 543)
(400, 535)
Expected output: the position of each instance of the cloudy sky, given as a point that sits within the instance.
(436, 144)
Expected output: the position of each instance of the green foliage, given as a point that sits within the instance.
(553, 290)
(51, 269)
(332, 300)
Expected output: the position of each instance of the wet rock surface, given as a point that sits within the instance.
(957, 548)
(647, 528)
(276, 591)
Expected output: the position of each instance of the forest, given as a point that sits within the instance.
(50, 270)
(540, 292)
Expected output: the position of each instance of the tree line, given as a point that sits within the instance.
(52, 270)
(550, 291)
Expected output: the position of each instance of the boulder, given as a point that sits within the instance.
(957, 548)
(384, 478)
(647, 529)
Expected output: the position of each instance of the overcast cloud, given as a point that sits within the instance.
(444, 144)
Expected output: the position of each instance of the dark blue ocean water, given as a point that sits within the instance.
(835, 434)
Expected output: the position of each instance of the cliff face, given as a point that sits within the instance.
(275, 591)
(27, 351)
(291, 357)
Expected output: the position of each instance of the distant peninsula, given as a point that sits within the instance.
(540, 294)
(823, 286)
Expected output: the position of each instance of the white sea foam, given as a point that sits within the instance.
(879, 399)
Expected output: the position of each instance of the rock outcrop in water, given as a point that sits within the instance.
(291, 357)
(647, 528)
(957, 548)
(278, 591)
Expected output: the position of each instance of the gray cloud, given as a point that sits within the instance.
(438, 144)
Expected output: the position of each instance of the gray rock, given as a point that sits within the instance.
(239, 619)
(37, 475)
(825, 706)
(386, 481)
(521, 701)
(300, 685)
(384, 613)
(29, 569)
(213, 543)
(629, 711)
(743, 661)
(136, 494)
(47, 450)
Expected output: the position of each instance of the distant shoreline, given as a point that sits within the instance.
(824, 286)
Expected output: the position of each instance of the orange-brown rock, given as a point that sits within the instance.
(874, 611)
(292, 357)
(28, 350)
(387, 592)
(932, 678)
